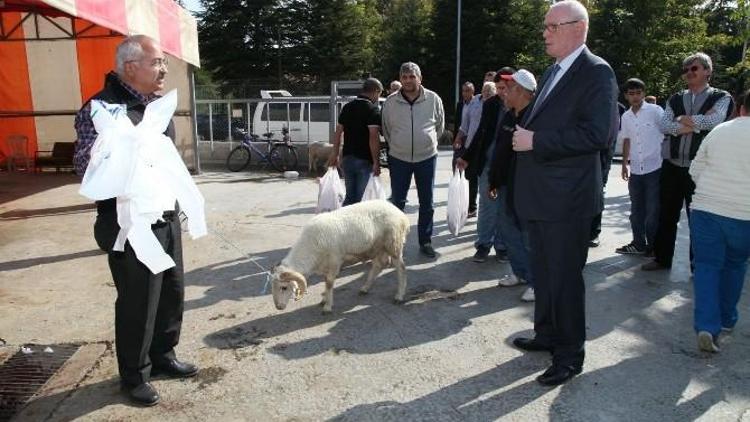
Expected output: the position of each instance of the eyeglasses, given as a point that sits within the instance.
(159, 62)
(693, 68)
(553, 27)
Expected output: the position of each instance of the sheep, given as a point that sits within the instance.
(316, 152)
(371, 230)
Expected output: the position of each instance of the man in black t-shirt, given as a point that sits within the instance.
(359, 122)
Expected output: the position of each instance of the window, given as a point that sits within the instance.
(279, 112)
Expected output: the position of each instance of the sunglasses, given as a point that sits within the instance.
(693, 68)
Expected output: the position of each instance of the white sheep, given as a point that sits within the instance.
(371, 230)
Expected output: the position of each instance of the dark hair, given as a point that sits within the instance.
(372, 85)
(634, 83)
(503, 71)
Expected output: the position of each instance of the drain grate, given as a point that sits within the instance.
(25, 373)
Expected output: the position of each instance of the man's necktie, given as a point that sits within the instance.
(547, 87)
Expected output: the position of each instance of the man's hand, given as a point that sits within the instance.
(523, 140)
(333, 159)
(625, 172)
(686, 121)
(492, 193)
(458, 143)
(461, 164)
(683, 130)
(376, 169)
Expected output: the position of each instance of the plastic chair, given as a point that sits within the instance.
(18, 153)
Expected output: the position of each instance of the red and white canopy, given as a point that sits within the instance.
(54, 55)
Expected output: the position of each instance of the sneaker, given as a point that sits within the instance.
(727, 330)
(510, 280)
(706, 342)
(528, 295)
(427, 250)
(472, 214)
(481, 255)
(593, 243)
(630, 249)
(501, 256)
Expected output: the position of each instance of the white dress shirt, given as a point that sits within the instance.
(642, 128)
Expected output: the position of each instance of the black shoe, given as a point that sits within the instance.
(481, 254)
(653, 266)
(558, 374)
(501, 256)
(174, 369)
(144, 394)
(593, 243)
(531, 345)
(630, 249)
(427, 250)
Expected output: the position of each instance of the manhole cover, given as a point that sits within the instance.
(27, 371)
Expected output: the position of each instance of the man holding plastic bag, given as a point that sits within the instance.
(150, 299)
(359, 122)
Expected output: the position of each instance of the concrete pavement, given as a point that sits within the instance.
(444, 355)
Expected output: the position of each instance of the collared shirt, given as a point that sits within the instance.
(645, 136)
(565, 65)
(472, 114)
(703, 122)
(87, 134)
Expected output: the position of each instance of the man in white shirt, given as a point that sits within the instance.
(641, 148)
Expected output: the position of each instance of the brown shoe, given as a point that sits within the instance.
(653, 266)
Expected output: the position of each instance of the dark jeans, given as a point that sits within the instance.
(644, 208)
(676, 188)
(357, 173)
(516, 239)
(424, 176)
(148, 309)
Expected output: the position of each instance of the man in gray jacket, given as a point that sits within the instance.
(413, 120)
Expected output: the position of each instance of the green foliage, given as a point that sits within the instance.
(307, 43)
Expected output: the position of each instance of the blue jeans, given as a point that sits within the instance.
(644, 208)
(721, 246)
(516, 239)
(356, 175)
(488, 214)
(424, 176)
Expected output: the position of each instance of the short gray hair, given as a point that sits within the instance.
(130, 49)
(576, 9)
(701, 58)
(410, 67)
(491, 87)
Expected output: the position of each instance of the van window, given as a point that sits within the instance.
(319, 112)
(279, 112)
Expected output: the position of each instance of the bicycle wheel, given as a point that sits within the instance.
(238, 159)
(283, 157)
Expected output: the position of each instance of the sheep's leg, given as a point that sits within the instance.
(377, 266)
(328, 294)
(398, 262)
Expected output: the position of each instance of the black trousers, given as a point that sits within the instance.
(558, 254)
(149, 307)
(473, 188)
(676, 189)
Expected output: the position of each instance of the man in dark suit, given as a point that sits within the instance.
(558, 184)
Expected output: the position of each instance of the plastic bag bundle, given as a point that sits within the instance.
(458, 202)
(374, 189)
(331, 192)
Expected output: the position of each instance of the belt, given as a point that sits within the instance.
(110, 206)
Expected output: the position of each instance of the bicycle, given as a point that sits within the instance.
(282, 155)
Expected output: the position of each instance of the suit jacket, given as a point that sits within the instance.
(561, 177)
(476, 154)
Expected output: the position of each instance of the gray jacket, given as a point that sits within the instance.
(412, 130)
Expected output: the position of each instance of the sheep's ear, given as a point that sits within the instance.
(298, 280)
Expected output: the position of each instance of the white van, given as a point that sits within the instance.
(308, 118)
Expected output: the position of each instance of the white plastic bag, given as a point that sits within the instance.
(458, 202)
(374, 189)
(331, 191)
